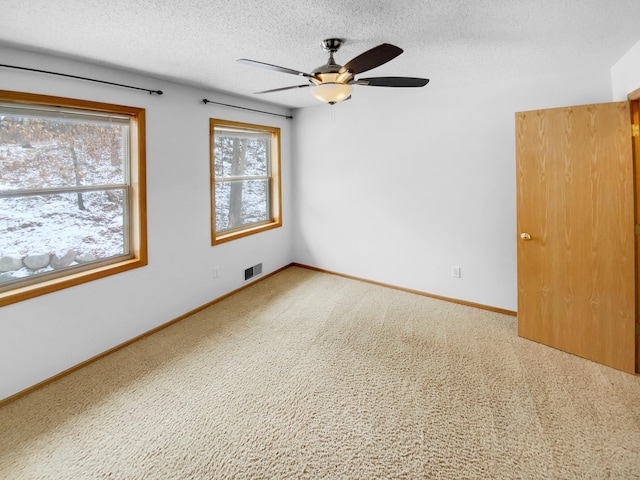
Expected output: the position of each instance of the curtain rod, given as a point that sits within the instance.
(151, 92)
(288, 117)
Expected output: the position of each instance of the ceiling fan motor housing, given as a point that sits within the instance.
(330, 81)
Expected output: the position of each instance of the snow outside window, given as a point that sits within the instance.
(245, 165)
(71, 191)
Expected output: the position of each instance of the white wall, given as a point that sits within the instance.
(46, 335)
(625, 74)
(405, 184)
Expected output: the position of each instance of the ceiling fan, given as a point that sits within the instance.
(332, 83)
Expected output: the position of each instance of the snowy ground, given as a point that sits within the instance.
(54, 224)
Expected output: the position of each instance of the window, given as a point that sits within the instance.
(245, 179)
(72, 192)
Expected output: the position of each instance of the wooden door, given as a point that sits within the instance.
(575, 199)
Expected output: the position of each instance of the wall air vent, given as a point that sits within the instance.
(251, 272)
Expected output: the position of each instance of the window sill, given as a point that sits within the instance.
(41, 288)
(243, 232)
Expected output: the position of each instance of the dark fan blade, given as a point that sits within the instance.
(393, 82)
(283, 88)
(372, 58)
(268, 66)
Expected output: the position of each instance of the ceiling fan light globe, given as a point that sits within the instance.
(331, 92)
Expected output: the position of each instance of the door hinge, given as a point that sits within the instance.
(638, 329)
(637, 229)
(635, 130)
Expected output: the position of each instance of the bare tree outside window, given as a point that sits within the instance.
(245, 179)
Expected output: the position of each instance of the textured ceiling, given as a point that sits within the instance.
(454, 43)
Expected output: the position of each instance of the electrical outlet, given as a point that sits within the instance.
(456, 272)
(216, 272)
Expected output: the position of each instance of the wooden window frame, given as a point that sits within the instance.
(136, 214)
(275, 200)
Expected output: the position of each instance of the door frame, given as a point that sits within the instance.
(634, 100)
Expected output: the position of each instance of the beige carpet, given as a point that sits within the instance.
(310, 375)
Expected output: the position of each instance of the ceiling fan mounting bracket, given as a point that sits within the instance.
(331, 45)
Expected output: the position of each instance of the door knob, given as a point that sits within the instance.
(525, 236)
